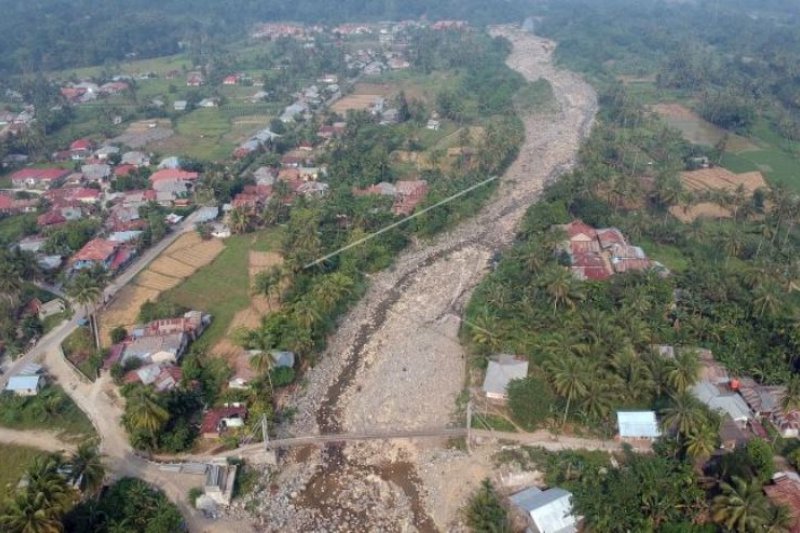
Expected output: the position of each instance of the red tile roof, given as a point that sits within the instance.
(96, 250)
(577, 227)
(39, 174)
(611, 236)
(51, 218)
(213, 417)
(81, 145)
(123, 170)
(70, 194)
(173, 174)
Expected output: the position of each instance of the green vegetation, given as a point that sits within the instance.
(484, 511)
(50, 410)
(13, 228)
(130, 504)
(53, 485)
(16, 460)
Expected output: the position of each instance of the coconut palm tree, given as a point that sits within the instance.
(305, 312)
(239, 220)
(561, 287)
(268, 281)
(263, 363)
(685, 370)
(701, 442)
(332, 288)
(599, 400)
(570, 377)
(777, 520)
(86, 289)
(741, 507)
(146, 413)
(683, 415)
(767, 299)
(27, 513)
(791, 396)
(10, 282)
(86, 468)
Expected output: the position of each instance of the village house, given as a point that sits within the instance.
(765, 401)
(598, 254)
(195, 79)
(12, 206)
(192, 323)
(96, 172)
(218, 420)
(546, 511)
(637, 425)
(723, 399)
(32, 243)
(109, 255)
(80, 149)
(69, 195)
(502, 369)
(156, 349)
(38, 178)
(231, 79)
(171, 184)
(785, 491)
(162, 377)
(105, 152)
(180, 105)
(137, 159)
(410, 193)
(50, 219)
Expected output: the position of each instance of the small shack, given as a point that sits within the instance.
(638, 425)
(548, 511)
(501, 371)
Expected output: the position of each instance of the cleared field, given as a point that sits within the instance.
(354, 102)
(144, 132)
(223, 287)
(697, 130)
(16, 460)
(159, 282)
(719, 178)
(701, 210)
(182, 259)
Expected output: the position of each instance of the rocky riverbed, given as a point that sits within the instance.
(396, 363)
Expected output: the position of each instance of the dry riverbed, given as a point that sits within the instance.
(396, 363)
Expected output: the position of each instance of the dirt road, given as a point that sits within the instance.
(396, 361)
(48, 441)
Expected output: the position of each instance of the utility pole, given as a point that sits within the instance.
(269, 455)
(469, 427)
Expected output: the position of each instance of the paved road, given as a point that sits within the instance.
(55, 337)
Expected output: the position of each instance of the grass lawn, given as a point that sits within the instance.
(222, 288)
(52, 410)
(80, 350)
(16, 459)
(778, 166)
(669, 256)
(200, 135)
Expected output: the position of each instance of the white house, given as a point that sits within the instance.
(638, 425)
(548, 511)
(501, 370)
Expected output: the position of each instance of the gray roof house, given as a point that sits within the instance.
(96, 172)
(157, 349)
(729, 403)
(282, 358)
(501, 370)
(548, 511)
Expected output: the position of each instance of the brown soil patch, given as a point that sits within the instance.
(354, 102)
(701, 210)
(182, 259)
(719, 178)
(378, 89)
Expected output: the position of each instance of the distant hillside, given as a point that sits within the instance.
(38, 35)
